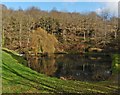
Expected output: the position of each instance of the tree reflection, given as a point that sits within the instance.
(75, 67)
(43, 65)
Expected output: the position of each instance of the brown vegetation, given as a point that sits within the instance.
(42, 42)
(75, 32)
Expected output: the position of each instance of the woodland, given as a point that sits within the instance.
(60, 52)
(34, 30)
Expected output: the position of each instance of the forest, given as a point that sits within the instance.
(70, 32)
(60, 52)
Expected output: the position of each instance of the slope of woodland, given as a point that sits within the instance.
(34, 31)
(75, 32)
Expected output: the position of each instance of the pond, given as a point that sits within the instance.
(87, 67)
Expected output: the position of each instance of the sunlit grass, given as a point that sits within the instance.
(19, 79)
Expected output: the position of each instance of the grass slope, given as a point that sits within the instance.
(17, 78)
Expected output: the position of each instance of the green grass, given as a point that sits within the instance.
(16, 78)
(116, 63)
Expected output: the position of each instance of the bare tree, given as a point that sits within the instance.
(105, 15)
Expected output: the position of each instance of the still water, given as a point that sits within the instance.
(92, 67)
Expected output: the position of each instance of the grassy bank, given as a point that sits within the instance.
(20, 79)
(116, 63)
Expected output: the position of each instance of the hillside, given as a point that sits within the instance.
(20, 79)
(59, 52)
(75, 32)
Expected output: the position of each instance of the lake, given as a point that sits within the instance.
(86, 67)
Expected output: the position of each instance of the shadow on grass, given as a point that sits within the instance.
(29, 79)
(52, 89)
(20, 59)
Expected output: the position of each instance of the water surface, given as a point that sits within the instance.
(90, 67)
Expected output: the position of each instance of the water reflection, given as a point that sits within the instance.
(45, 65)
(75, 67)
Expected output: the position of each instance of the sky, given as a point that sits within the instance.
(73, 6)
(60, 6)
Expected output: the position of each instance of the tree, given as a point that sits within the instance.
(54, 9)
(105, 15)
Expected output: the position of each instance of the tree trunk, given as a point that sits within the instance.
(84, 36)
(20, 39)
(115, 34)
(2, 37)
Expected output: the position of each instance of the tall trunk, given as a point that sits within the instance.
(28, 37)
(95, 31)
(2, 40)
(105, 33)
(84, 36)
(115, 34)
(20, 39)
(105, 30)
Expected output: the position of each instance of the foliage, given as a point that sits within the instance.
(42, 42)
(116, 62)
